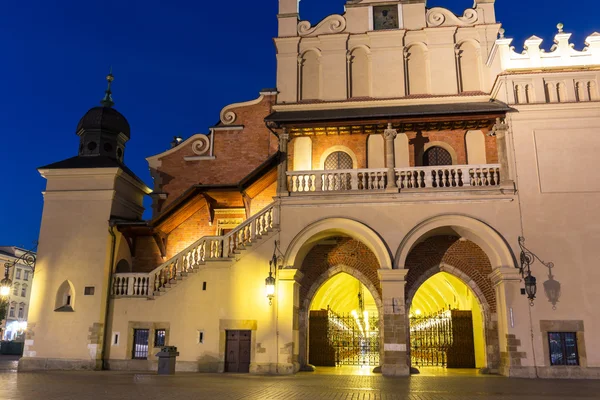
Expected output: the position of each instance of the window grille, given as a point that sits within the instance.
(435, 156)
(563, 348)
(338, 160)
(159, 337)
(140, 344)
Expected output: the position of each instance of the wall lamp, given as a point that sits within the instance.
(270, 281)
(527, 259)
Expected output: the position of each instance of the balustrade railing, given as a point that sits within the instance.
(451, 176)
(337, 180)
(448, 176)
(205, 249)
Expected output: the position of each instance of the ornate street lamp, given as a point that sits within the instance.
(270, 281)
(28, 258)
(528, 258)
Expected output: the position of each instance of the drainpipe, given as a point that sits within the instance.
(106, 338)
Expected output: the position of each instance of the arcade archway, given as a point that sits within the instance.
(446, 325)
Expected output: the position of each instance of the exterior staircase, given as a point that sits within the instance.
(193, 258)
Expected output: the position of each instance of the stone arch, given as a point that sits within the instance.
(359, 63)
(417, 68)
(491, 242)
(489, 314)
(469, 64)
(336, 226)
(310, 75)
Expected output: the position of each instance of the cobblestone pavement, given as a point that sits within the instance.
(117, 385)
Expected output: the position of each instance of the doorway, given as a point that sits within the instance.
(237, 351)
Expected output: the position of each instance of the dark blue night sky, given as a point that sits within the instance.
(176, 64)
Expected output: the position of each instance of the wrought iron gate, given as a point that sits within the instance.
(444, 339)
(343, 339)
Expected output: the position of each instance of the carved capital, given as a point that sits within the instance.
(500, 128)
(390, 133)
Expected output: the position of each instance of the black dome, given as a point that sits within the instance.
(105, 119)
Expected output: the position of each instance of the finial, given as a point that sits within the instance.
(560, 27)
(107, 101)
(502, 32)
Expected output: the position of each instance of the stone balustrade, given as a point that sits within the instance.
(189, 260)
(372, 180)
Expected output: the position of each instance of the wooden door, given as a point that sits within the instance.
(237, 351)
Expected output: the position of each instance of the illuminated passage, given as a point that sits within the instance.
(343, 324)
(446, 325)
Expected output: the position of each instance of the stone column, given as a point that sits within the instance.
(282, 187)
(394, 336)
(389, 135)
(288, 308)
(513, 323)
(500, 130)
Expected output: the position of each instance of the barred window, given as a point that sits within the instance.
(159, 337)
(563, 348)
(140, 344)
(436, 155)
(338, 160)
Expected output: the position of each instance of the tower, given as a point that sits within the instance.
(77, 245)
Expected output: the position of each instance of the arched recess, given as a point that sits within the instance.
(360, 72)
(333, 149)
(469, 63)
(401, 152)
(475, 141)
(319, 230)
(302, 154)
(123, 267)
(484, 236)
(375, 151)
(484, 320)
(310, 75)
(417, 69)
(65, 297)
(306, 300)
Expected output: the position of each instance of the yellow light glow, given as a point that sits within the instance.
(417, 312)
(270, 290)
(4, 291)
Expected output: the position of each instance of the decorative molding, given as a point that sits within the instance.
(439, 16)
(332, 24)
(228, 117)
(201, 145)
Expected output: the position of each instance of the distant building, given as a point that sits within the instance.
(21, 275)
(377, 196)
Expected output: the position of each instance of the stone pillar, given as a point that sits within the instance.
(513, 323)
(500, 130)
(389, 135)
(288, 308)
(282, 189)
(395, 360)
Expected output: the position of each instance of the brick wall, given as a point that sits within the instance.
(346, 251)
(237, 153)
(263, 199)
(189, 231)
(465, 256)
(147, 255)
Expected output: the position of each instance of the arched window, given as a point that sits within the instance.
(65, 297)
(436, 156)
(123, 267)
(338, 160)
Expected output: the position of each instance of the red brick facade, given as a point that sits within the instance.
(237, 153)
(464, 255)
(345, 251)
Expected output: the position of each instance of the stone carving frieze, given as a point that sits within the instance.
(332, 24)
(439, 16)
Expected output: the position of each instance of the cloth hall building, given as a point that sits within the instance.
(388, 206)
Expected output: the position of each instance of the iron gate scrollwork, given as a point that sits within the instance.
(350, 339)
(444, 339)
